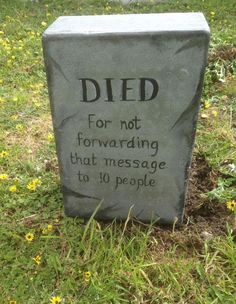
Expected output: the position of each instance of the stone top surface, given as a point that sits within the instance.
(130, 23)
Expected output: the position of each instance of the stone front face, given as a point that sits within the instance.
(124, 103)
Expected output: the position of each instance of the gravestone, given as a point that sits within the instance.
(124, 93)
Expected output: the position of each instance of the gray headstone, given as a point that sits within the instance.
(124, 92)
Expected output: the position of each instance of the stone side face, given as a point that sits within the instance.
(124, 108)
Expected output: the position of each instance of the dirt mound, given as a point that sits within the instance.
(204, 219)
(225, 52)
(209, 215)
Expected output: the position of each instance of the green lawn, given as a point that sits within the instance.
(46, 257)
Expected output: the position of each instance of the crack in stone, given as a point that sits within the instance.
(70, 192)
(193, 103)
(190, 44)
(64, 121)
(58, 67)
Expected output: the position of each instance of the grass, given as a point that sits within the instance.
(129, 262)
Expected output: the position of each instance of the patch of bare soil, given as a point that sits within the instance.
(204, 219)
(199, 208)
(225, 52)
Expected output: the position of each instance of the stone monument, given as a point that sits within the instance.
(125, 93)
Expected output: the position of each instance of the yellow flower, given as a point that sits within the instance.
(214, 113)
(37, 259)
(45, 231)
(37, 182)
(3, 176)
(14, 117)
(4, 154)
(12, 302)
(87, 276)
(31, 186)
(1, 81)
(43, 23)
(29, 237)
(15, 98)
(50, 137)
(212, 14)
(19, 127)
(50, 227)
(207, 104)
(1, 33)
(34, 184)
(231, 205)
(12, 189)
(37, 104)
(55, 300)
